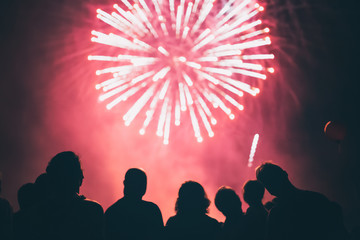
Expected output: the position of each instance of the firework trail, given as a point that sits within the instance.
(253, 150)
(181, 57)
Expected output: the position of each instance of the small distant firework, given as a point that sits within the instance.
(253, 150)
(176, 57)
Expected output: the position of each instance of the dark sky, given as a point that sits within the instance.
(48, 105)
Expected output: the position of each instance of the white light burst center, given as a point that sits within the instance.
(182, 57)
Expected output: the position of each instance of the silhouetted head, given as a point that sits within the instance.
(26, 196)
(274, 178)
(135, 183)
(42, 186)
(64, 172)
(42, 180)
(253, 192)
(227, 201)
(192, 198)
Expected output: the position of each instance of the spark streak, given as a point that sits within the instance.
(253, 149)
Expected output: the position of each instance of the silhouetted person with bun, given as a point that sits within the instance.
(229, 204)
(131, 217)
(298, 214)
(64, 214)
(5, 217)
(191, 220)
(256, 214)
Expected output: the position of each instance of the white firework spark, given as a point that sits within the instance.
(183, 56)
(253, 149)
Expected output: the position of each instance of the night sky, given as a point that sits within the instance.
(49, 104)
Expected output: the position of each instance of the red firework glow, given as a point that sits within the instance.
(187, 56)
(49, 103)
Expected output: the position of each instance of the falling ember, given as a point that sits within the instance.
(253, 149)
(182, 57)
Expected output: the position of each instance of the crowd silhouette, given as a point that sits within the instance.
(52, 208)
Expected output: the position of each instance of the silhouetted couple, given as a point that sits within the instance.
(52, 207)
(237, 225)
(298, 214)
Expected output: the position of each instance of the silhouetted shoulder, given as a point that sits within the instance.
(93, 205)
(192, 227)
(200, 219)
(124, 204)
(151, 205)
(314, 195)
(196, 223)
(135, 219)
(313, 200)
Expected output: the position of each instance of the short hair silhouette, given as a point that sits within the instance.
(64, 172)
(192, 198)
(26, 196)
(135, 182)
(273, 177)
(131, 217)
(253, 192)
(227, 201)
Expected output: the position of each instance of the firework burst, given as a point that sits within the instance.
(182, 57)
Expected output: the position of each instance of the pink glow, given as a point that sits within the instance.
(72, 118)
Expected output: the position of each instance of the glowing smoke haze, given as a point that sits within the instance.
(71, 117)
(61, 110)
